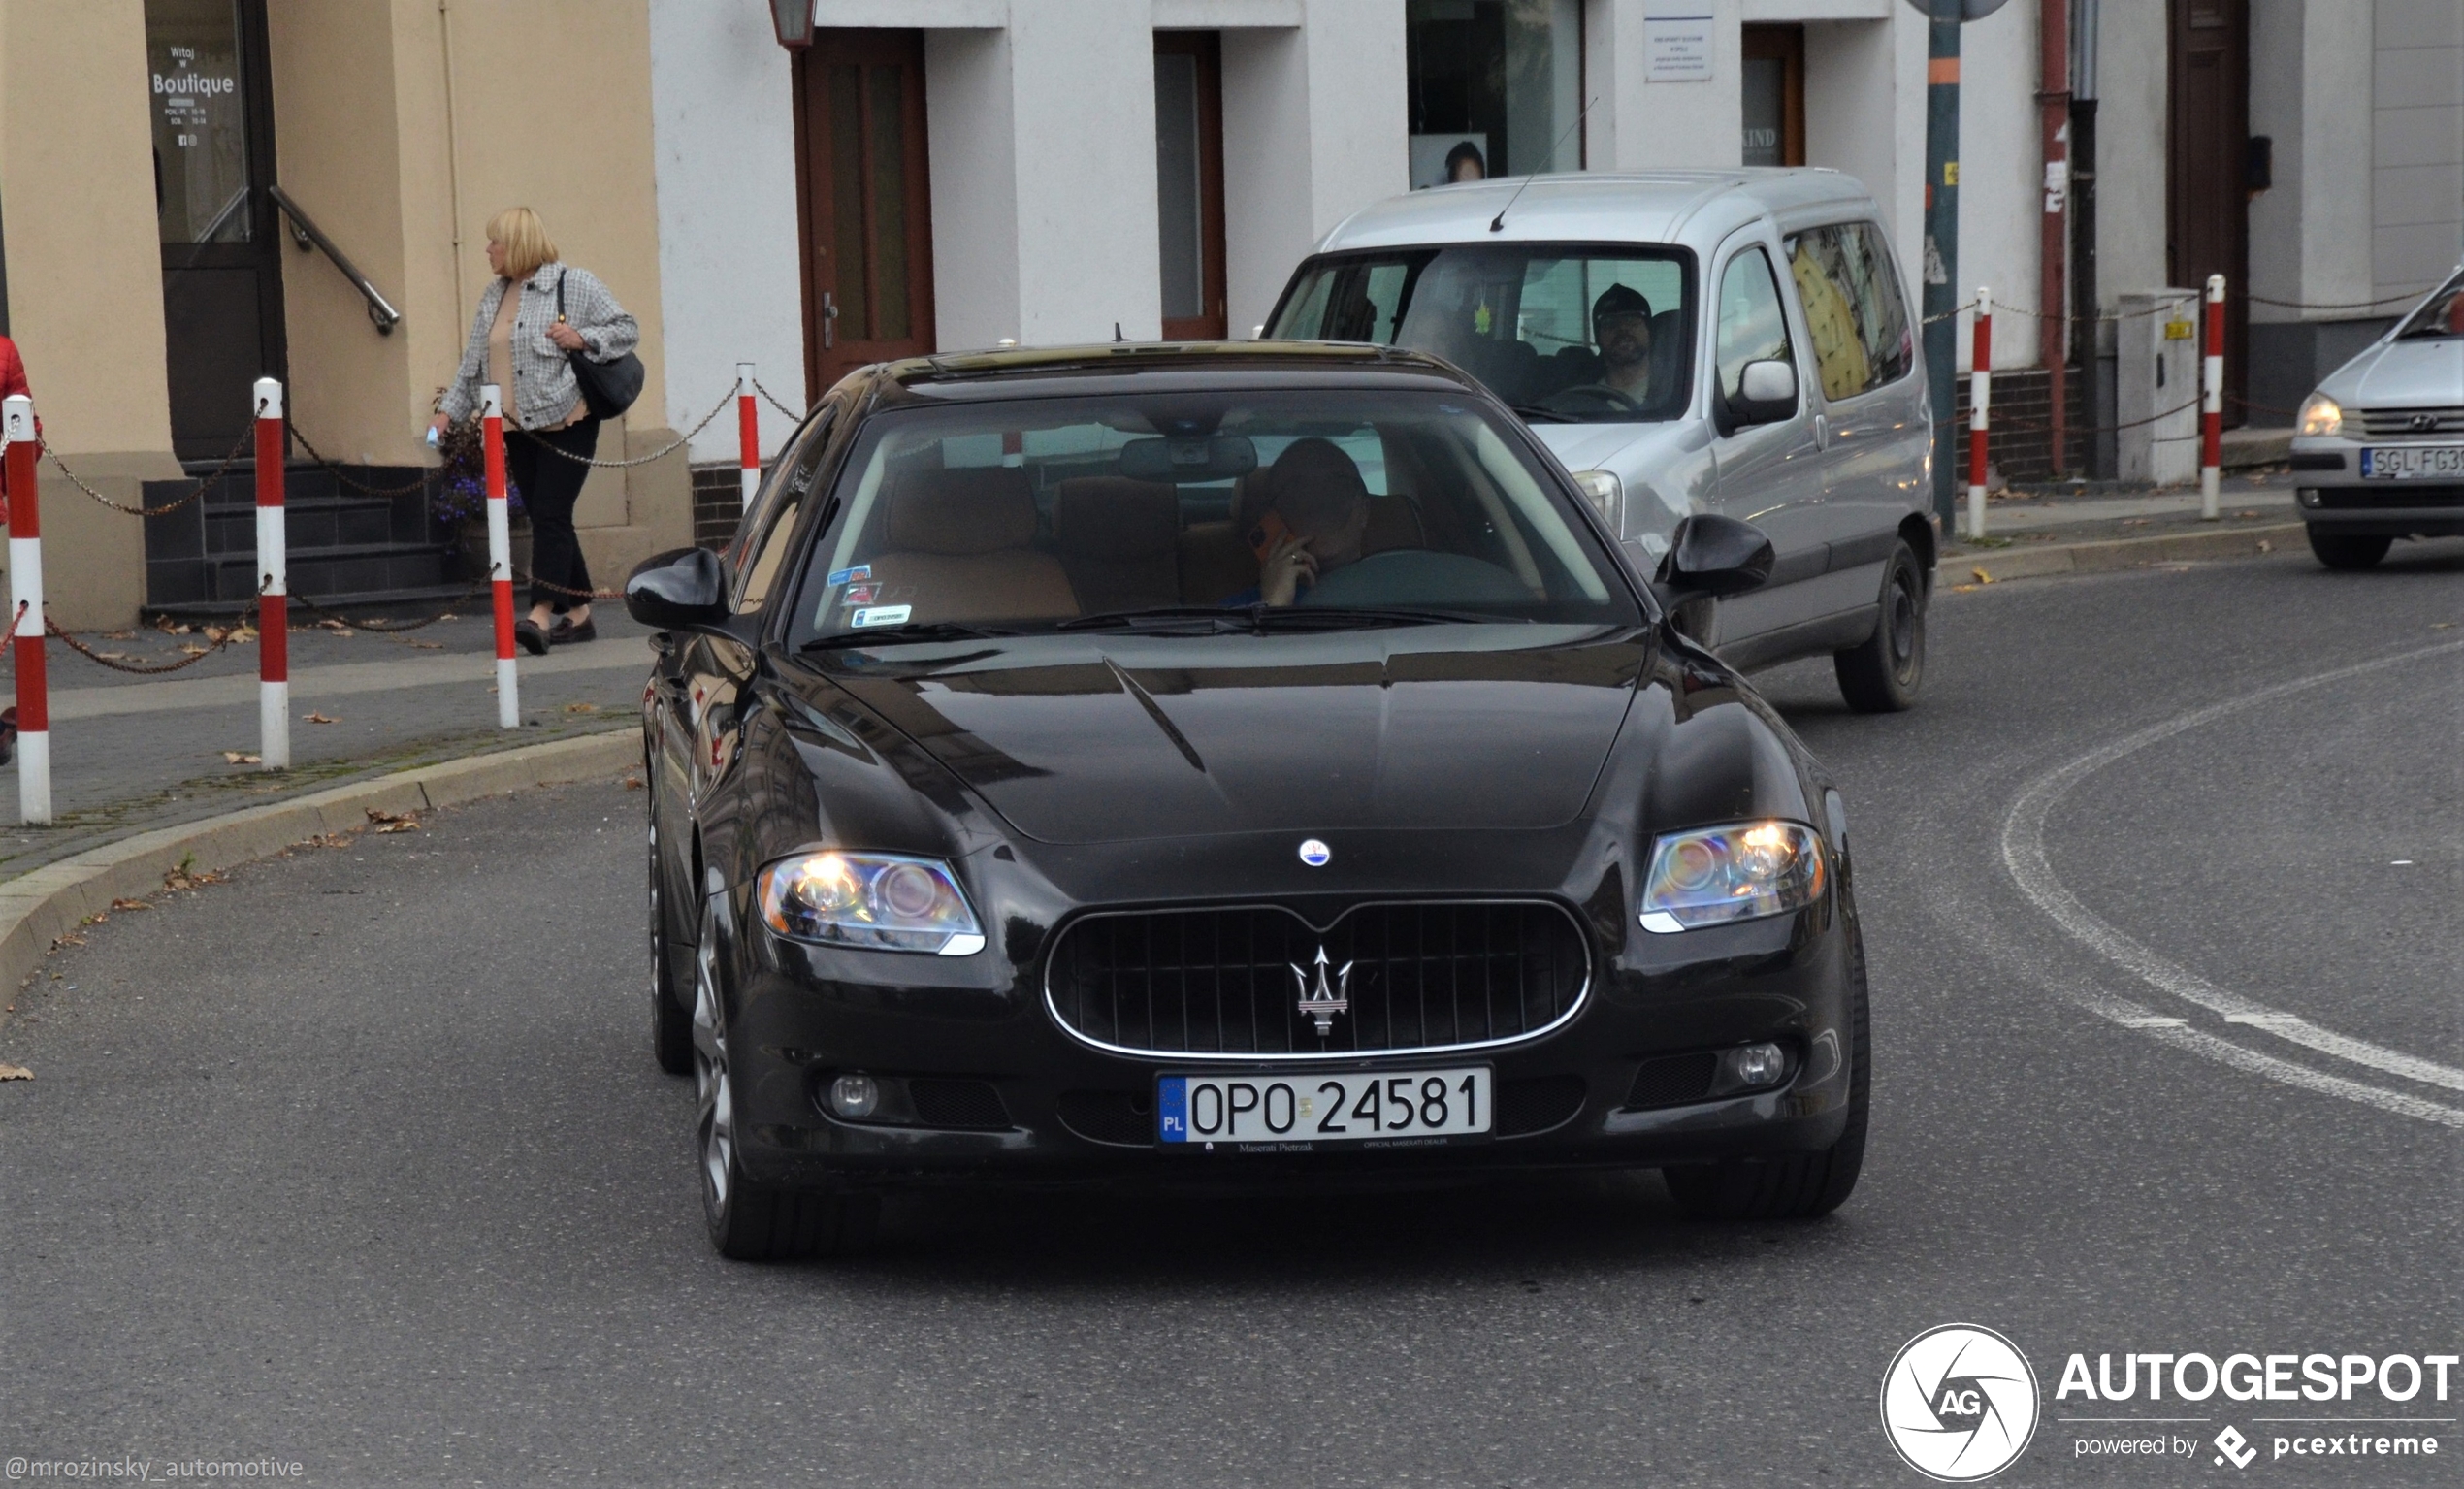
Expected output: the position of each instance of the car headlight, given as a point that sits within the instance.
(881, 901)
(2321, 415)
(1607, 495)
(1740, 872)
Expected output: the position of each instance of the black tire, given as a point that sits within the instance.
(751, 1220)
(1794, 1187)
(670, 1021)
(2347, 550)
(1882, 675)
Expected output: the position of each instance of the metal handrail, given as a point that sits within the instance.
(304, 231)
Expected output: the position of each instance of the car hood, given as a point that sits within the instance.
(2402, 374)
(1104, 739)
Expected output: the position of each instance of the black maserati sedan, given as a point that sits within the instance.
(1247, 763)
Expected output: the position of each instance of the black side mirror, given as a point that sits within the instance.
(1711, 556)
(678, 590)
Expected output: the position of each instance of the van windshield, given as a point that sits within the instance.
(1564, 333)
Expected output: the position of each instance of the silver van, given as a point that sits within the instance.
(1731, 341)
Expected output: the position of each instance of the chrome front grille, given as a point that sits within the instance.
(2405, 423)
(1230, 983)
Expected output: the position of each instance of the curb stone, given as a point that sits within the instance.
(2104, 556)
(39, 906)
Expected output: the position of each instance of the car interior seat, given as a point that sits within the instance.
(956, 545)
(1119, 541)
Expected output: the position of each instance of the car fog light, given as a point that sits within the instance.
(855, 1097)
(1750, 1068)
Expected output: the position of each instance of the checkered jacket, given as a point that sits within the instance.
(543, 390)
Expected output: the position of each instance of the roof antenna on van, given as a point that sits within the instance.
(1497, 224)
(1116, 335)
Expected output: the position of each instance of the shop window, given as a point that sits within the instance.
(1495, 87)
(1773, 93)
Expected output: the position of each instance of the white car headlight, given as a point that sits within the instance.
(2321, 415)
(1740, 872)
(880, 901)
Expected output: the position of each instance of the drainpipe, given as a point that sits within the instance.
(2085, 303)
(2052, 109)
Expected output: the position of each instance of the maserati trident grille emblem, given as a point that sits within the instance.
(1324, 1001)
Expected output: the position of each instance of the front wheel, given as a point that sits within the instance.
(1882, 675)
(751, 1220)
(1793, 1186)
(2347, 550)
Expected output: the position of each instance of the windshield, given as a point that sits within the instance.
(2442, 314)
(1321, 507)
(1563, 333)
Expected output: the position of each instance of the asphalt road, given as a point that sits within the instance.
(359, 1160)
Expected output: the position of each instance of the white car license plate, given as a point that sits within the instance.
(1281, 1109)
(2412, 463)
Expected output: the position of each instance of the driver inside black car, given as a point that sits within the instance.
(1315, 520)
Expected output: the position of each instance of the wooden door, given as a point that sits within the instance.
(863, 201)
(1771, 95)
(213, 124)
(1189, 183)
(2206, 199)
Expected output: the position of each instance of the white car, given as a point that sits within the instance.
(1730, 341)
(2380, 447)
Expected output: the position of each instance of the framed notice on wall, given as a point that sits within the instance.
(1676, 48)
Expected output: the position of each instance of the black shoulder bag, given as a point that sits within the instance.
(608, 388)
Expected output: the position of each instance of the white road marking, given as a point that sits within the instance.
(2023, 853)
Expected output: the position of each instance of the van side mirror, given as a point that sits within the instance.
(678, 590)
(1710, 555)
(1765, 394)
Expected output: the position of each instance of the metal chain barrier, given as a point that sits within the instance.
(538, 583)
(2002, 419)
(639, 460)
(388, 628)
(2349, 304)
(2262, 407)
(797, 414)
(247, 622)
(205, 483)
(335, 468)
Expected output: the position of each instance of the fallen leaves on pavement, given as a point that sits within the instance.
(193, 649)
(429, 646)
(319, 718)
(394, 821)
(331, 624)
(581, 708)
(632, 783)
(1982, 577)
(185, 878)
(242, 757)
(15, 1072)
(171, 628)
(120, 635)
(69, 938)
(130, 904)
(2264, 546)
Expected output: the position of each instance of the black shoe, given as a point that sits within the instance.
(565, 630)
(534, 640)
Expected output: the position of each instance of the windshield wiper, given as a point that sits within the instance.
(913, 630)
(1349, 617)
(1542, 411)
(1215, 618)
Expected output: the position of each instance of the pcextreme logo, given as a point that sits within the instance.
(1960, 1403)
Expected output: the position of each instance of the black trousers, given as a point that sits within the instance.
(550, 485)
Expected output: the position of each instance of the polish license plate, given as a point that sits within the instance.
(1269, 1111)
(2414, 463)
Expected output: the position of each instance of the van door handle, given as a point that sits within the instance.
(1822, 433)
(830, 321)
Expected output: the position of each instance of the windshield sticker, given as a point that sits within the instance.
(861, 594)
(860, 571)
(882, 615)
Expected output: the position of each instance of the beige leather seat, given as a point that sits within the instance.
(1119, 541)
(956, 546)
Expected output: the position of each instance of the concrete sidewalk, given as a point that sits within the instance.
(130, 753)
(2037, 530)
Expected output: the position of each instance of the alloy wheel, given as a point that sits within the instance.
(716, 1119)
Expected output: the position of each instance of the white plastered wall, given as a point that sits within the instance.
(723, 117)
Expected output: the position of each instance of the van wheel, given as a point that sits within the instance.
(2347, 550)
(1882, 675)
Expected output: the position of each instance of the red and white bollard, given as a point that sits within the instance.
(747, 431)
(1980, 398)
(26, 603)
(500, 554)
(273, 618)
(2212, 403)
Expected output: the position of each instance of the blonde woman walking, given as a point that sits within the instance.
(521, 342)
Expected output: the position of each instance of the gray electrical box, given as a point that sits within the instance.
(2156, 373)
